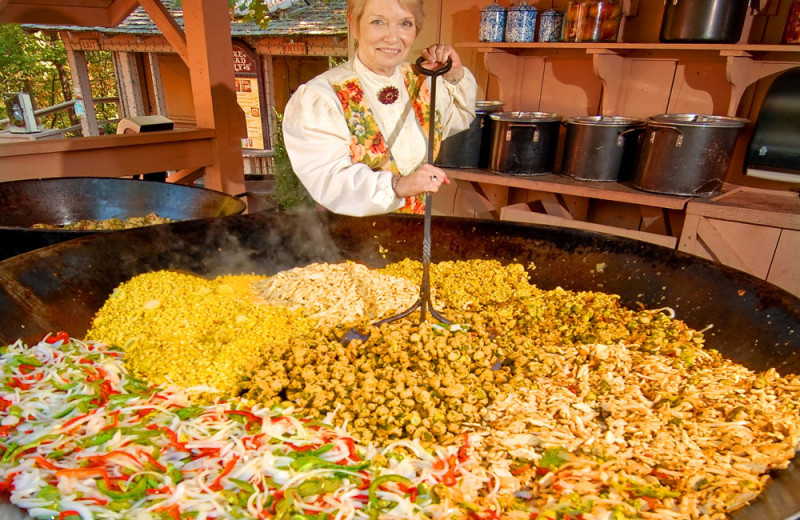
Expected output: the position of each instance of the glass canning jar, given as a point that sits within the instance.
(591, 21)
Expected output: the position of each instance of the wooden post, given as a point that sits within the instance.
(210, 52)
(83, 92)
(129, 85)
(158, 84)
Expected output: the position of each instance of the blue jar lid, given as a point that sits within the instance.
(493, 8)
(552, 12)
(522, 6)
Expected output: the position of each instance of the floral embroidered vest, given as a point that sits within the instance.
(367, 144)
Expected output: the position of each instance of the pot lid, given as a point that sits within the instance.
(488, 106)
(493, 8)
(526, 117)
(552, 12)
(699, 120)
(605, 121)
(522, 6)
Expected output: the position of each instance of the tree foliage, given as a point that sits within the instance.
(37, 63)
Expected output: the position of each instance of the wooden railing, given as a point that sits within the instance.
(63, 107)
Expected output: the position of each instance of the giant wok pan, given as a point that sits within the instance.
(754, 323)
(59, 201)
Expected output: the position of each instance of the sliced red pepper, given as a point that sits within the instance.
(68, 514)
(58, 336)
(173, 438)
(7, 484)
(522, 469)
(159, 491)
(16, 382)
(412, 491)
(44, 463)
(73, 421)
(351, 449)
(449, 478)
(462, 451)
(307, 447)
(95, 500)
(174, 511)
(216, 486)
(114, 421)
(250, 416)
(160, 467)
(103, 459)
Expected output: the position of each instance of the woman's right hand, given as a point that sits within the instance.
(426, 178)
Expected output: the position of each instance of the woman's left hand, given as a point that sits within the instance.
(436, 56)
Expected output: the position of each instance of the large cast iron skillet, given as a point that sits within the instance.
(754, 323)
(59, 201)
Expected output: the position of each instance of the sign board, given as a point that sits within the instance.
(244, 63)
(90, 45)
(295, 48)
(249, 93)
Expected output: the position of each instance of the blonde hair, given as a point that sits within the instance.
(355, 8)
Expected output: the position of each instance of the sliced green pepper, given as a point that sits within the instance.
(134, 491)
(307, 462)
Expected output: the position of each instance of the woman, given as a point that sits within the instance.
(356, 135)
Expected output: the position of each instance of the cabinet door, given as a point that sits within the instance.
(741, 245)
(785, 269)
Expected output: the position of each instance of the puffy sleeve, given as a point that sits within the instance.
(318, 144)
(457, 101)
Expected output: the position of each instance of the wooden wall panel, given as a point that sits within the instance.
(700, 87)
(570, 88)
(642, 93)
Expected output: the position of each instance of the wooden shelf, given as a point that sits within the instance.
(615, 191)
(732, 49)
(629, 78)
(567, 202)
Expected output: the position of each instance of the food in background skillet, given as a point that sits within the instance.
(111, 224)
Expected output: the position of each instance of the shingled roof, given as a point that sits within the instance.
(315, 18)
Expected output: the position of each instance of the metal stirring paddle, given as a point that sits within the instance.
(424, 303)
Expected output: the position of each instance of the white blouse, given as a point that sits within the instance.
(317, 137)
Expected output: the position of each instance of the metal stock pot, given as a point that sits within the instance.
(524, 142)
(471, 148)
(601, 148)
(686, 154)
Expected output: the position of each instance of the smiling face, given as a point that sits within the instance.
(385, 33)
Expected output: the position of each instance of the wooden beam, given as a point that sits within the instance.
(55, 15)
(84, 104)
(107, 156)
(208, 37)
(119, 10)
(169, 27)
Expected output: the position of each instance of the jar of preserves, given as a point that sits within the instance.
(791, 33)
(591, 21)
(550, 25)
(521, 23)
(493, 23)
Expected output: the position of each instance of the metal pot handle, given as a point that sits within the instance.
(535, 138)
(678, 141)
(621, 138)
(269, 205)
